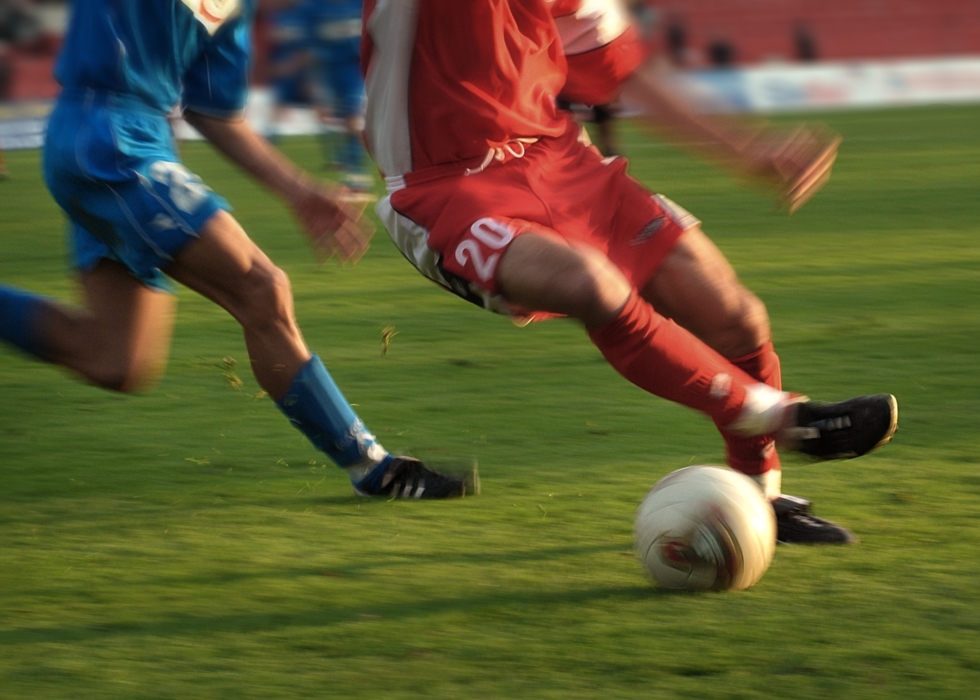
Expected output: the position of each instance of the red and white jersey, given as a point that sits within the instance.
(449, 80)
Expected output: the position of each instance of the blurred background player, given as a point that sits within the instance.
(336, 48)
(603, 116)
(138, 218)
(493, 195)
(289, 60)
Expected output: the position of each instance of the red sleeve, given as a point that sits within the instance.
(594, 77)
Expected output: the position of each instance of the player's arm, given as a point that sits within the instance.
(328, 217)
(604, 58)
(796, 162)
(215, 90)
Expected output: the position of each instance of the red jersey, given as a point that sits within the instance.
(448, 80)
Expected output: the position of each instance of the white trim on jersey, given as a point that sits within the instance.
(596, 23)
(392, 26)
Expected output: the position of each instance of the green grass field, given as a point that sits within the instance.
(190, 544)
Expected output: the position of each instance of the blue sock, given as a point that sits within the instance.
(315, 405)
(18, 314)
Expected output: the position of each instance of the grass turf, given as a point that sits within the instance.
(189, 543)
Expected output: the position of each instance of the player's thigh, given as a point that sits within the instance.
(698, 288)
(125, 306)
(224, 265)
(131, 326)
(539, 271)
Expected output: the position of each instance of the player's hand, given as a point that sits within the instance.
(797, 162)
(333, 221)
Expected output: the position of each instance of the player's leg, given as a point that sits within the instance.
(118, 340)
(329, 132)
(225, 266)
(535, 269)
(696, 287)
(346, 88)
(3, 167)
(604, 116)
(542, 273)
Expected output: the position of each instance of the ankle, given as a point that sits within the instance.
(766, 411)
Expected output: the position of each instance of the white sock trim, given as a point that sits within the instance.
(375, 455)
(762, 412)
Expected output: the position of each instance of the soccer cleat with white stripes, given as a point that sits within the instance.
(840, 430)
(404, 477)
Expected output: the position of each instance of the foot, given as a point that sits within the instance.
(795, 524)
(841, 430)
(404, 477)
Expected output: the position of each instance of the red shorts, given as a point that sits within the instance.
(454, 227)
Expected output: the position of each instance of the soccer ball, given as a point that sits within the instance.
(705, 528)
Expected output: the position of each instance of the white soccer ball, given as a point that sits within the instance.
(705, 528)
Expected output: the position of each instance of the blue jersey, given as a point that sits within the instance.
(160, 51)
(109, 155)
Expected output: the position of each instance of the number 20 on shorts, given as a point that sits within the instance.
(489, 237)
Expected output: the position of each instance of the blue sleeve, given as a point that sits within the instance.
(217, 83)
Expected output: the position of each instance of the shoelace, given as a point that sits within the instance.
(500, 152)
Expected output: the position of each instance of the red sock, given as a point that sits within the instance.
(659, 356)
(755, 455)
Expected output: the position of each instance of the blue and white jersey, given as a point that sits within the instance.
(161, 52)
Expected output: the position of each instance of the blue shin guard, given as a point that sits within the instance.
(315, 405)
(18, 316)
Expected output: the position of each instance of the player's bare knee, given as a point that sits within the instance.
(137, 378)
(126, 373)
(268, 299)
(747, 327)
(600, 291)
(541, 274)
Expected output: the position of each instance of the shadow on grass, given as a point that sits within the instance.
(327, 616)
(364, 567)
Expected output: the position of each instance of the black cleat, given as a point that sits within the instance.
(795, 524)
(405, 477)
(842, 430)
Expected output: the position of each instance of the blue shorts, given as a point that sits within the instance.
(110, 162)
